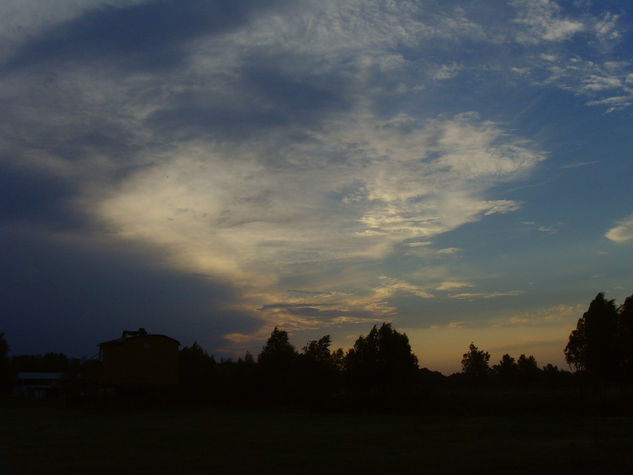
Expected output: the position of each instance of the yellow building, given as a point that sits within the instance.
(139, 359)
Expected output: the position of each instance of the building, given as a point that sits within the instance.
(42, 385)
(139, 359)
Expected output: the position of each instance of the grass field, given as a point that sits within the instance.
(52, 440)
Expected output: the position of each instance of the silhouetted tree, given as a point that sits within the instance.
(320, 368)
(197, 373)
(382, 361)
(475, 364)
(277, 353)
(553, 376)
(277, 363)
(528, 369)
(507, 370)
(49, 362)
(592, 346)
(625, 338)
(5, 369)
(318, 351)
(338, 359)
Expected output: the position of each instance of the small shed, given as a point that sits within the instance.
(139, 359)
(38, 385)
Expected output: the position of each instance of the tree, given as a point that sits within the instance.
(382, 361)
(277, 363)
(593, 345)
(528, 369)
(625, 337)
(475, 363)
(197, 373)
(320, 368)
(5, 369)
(318, 351)
(277, 353)
(507, 370)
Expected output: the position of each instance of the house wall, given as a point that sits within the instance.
(140, 360)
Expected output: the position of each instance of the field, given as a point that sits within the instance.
(206, 440)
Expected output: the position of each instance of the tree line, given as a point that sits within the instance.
(379, 368)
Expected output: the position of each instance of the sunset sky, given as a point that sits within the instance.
(212, 169)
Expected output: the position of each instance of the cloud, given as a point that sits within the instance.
(23, 20)
(453, 285)
(225, 210)
(542, 21)
(255, 151)
(542, 317)
(623, 232)
(66, 293)
(297, 145)
(133, 35)
(597, 71)
(486, 295)
(580, 164)
(449, 325)
(606, 27)
(448, 250)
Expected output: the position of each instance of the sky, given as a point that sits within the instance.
(209, 170)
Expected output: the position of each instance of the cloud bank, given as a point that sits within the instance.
(322, 147)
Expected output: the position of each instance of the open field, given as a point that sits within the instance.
(208, 440)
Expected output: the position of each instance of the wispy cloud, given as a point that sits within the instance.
(545, 316)
(580, 164)
(444, 286)
(486, 295)
(543, 21)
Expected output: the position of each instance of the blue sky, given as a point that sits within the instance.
(210, 170)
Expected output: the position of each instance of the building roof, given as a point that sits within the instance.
(131, 335)
(39, 375)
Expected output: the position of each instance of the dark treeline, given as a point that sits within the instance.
(381, 372)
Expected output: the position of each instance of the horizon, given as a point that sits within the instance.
(212, 170)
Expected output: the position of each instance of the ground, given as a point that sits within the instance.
(211, 440)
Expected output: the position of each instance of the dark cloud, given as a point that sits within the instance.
(145, 36)
(34, 196)
(68, 297)
(298, 96)
(271, 97)
(52, 120)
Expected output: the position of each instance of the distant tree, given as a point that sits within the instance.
(507, 370)
(277, 364)
(243, 383)
(475, 363)
(55, 362)
(49, 362)
(5, 368)
(248, 359)
(382, 361)
(318, 351)
(431, 380)
(592, 346)
(277, 353)
(197, 373)
(338, 359)
(553, 376)
(528, 370)
(625, 338)
(320, 368)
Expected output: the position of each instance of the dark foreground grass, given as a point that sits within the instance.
(51, 440)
